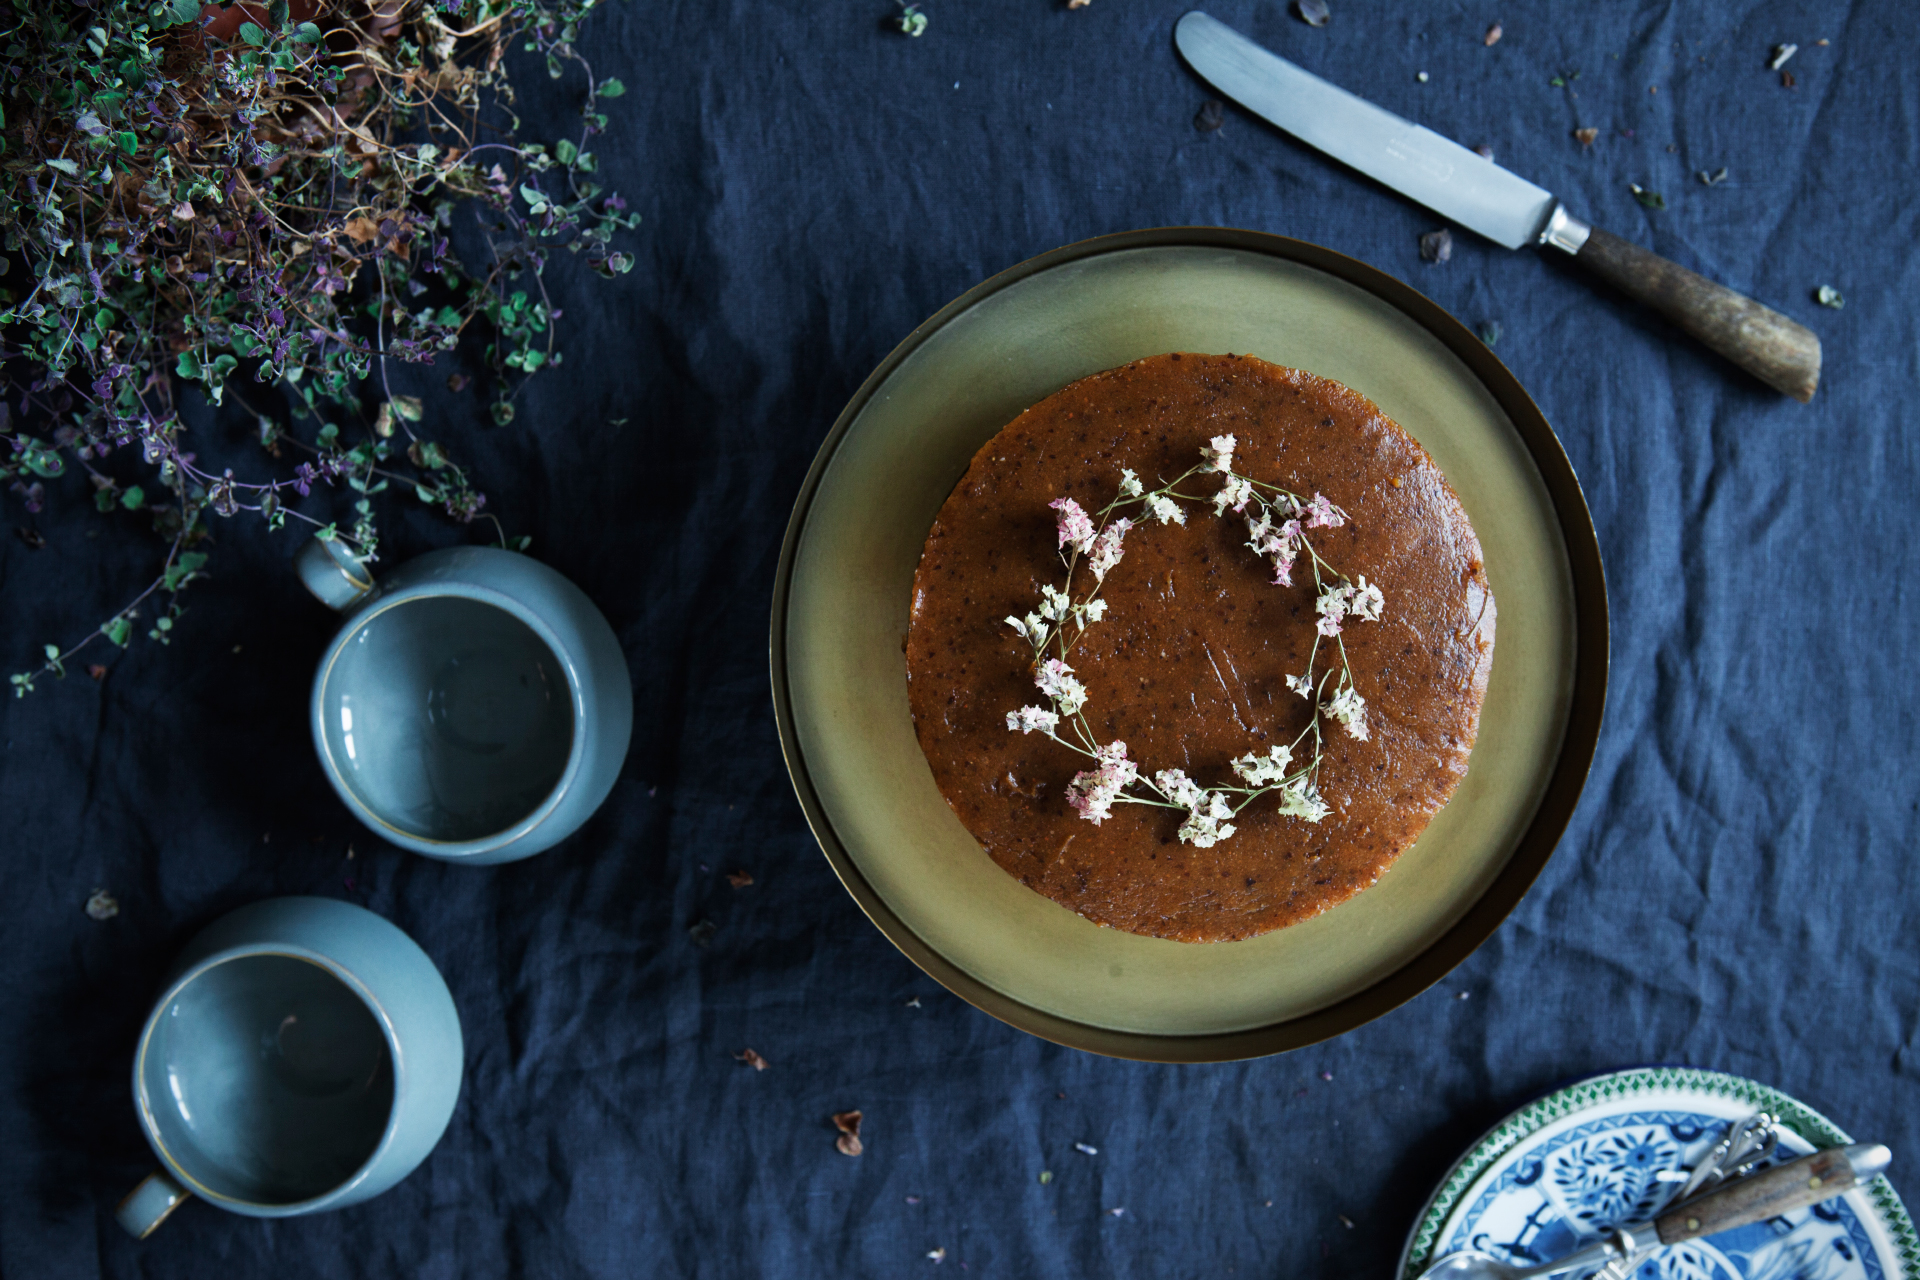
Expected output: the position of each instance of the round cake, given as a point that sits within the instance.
(1198, 646)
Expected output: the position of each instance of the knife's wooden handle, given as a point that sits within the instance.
(1766, 1194)
(1774, 349)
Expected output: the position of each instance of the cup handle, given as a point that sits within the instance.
(334, 574)
(148, 1204)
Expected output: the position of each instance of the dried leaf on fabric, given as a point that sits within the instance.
(848, 1123)
(1437, 246)
(739, 879)
(1313, 12)
(1494, 33)
(1828, 296)
(1586, 136)
(752, 1059)
(1780, 53)
(102, 905)
(1713, 179)
(1651, 199)
(1212, 114)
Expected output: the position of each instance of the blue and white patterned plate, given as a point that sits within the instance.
(1563, 1171)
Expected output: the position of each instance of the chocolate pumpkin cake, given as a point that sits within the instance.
(1198, 646)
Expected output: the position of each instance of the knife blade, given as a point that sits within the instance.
(1478, 194)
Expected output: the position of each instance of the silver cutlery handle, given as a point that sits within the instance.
(1771, 1192)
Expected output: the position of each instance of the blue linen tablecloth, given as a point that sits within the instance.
(1734, 892)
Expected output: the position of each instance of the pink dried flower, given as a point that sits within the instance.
(1322, 514)
(1106, 548)
(1093, 791)
(1076, 526)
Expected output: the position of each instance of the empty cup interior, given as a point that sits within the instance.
(268, 1080)
(448, 718)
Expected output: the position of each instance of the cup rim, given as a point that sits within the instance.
(143, 1105)
(493, 842)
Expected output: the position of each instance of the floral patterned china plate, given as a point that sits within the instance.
(1561, 1172)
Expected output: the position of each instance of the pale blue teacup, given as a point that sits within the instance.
(474, 707)
(305, 1055)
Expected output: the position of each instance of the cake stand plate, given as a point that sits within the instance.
(840, 608)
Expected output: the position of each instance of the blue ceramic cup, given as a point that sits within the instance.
(474, 707)
(305, 1056)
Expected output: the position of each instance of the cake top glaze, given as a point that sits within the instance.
(1207, 634)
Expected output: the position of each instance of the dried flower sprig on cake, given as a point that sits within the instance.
(1277, 525)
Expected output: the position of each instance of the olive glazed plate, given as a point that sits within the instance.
(840, 610)
(1560, 1173)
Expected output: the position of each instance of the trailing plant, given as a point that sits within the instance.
(256, 204)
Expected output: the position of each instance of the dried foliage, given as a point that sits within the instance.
(197, 199)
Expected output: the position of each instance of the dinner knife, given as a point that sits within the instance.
(1478, 194)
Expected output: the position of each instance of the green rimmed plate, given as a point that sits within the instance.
(840, 617)
(1560, 1171)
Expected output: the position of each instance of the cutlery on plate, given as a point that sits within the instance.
(1734, 1203)
(1483, 197)
(1744, 1145)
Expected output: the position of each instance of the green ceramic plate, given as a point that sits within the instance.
(840, 619)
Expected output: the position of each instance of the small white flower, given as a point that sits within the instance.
(1027, 719)
(1107, 549)
(1235, 493)
(1218, 454)
(1021, 628)
(1055, 679)
(1207, 824)
(1300, 799)
(1332, 607)
(1350, 709)
(1094, 610)
(1130, 486)
(1259, 771)
(1165, 509)
(1176, 786)
(1300, 685)
(1367, 601)
(1054, 603)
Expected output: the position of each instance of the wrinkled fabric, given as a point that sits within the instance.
(1734, 891)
